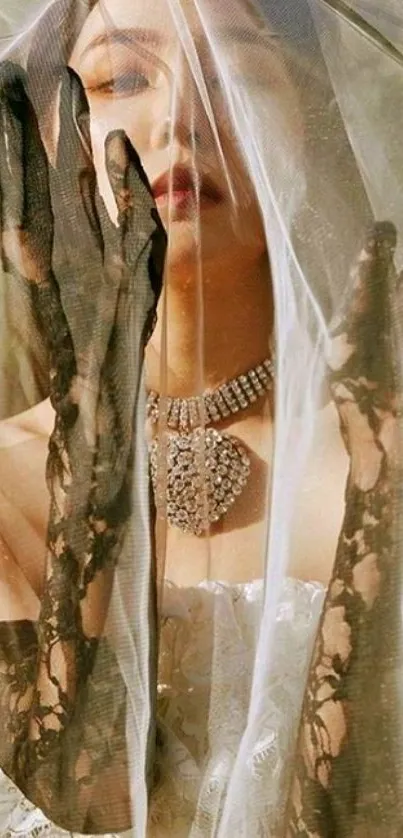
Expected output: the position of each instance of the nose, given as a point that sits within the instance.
(179, 115)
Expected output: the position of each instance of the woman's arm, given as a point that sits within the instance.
(347, 780)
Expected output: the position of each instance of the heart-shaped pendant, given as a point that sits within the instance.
(197, 477)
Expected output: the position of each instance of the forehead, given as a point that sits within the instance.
(163, 20)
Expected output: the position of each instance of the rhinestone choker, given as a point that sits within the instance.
(205, 469)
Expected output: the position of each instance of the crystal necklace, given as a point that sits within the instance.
(199, 472)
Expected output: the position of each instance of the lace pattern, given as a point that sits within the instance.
(347, 771)
(208, 647)
(21, 819)
(208, 644)
(94, 287)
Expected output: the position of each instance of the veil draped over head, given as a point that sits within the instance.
(191, 189)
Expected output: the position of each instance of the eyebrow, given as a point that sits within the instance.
(124, 36)
(130, 35)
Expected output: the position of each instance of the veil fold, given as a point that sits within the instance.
(244, 687)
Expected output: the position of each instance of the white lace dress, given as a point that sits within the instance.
(208, 643)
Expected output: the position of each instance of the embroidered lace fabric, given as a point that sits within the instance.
(208, 643)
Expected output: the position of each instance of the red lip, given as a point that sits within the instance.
(183, 181)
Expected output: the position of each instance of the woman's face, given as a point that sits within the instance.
(139, 77)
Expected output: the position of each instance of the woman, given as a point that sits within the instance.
(176, 80)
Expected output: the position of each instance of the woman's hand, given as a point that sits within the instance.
(347, 781)
(94, 287)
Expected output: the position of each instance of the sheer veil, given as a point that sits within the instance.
(298, 104)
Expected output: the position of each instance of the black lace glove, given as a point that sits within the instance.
(347, 782)
(94, 287)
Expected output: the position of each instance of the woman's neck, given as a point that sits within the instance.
(211, 332)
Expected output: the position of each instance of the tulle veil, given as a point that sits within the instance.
(312, 95)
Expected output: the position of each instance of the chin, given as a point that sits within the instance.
(215, 243)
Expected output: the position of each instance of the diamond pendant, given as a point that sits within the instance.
(205, 472)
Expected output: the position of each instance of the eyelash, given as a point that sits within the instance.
(128, 84)
(135, 83)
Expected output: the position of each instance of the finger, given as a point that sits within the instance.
(136, 281)
(79, 247)
(125, 170)
(75, 173)
(74, 133)
(12, 105)
(139, 222)
(24, 182)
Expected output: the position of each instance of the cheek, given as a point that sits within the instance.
(245, 215)
(122, 114)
